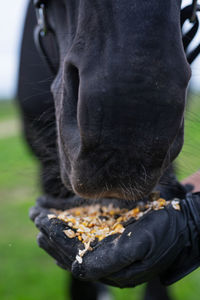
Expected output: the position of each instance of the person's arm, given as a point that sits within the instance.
(194, 180)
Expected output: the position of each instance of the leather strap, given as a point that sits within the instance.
(43, 32)
(190, 13)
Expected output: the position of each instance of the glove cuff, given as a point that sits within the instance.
(189, 258)
(193, 202)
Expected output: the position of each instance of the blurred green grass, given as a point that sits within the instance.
(8, 110)
(189, 159)
(26, 272)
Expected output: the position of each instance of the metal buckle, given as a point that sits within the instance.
(42, 33)
(41, 19)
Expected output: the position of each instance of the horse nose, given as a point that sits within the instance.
(114, 131)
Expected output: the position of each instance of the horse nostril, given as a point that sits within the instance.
(72, 81)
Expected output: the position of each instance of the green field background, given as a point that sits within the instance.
(26, 271)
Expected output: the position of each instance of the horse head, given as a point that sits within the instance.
(119, 93)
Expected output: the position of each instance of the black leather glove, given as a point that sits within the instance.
(51, 237)
(163, 243)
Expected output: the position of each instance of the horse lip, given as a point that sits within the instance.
(65, 203)
(111, 196)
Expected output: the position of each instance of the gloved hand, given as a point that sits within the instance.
(163, 243)
(51, 237)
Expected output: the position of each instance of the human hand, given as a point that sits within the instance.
(160, 243)
(51, 237)
(194, 181)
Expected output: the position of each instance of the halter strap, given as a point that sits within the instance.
(190, 13)
(42, 31)
(194, 11)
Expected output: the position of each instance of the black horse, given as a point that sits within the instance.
(115, 122)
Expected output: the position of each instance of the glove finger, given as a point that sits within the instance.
(135, 274)
(54, 229)
(113, 254)
(36, 211)
(113, 283)
(46, 245)
(160, 256)
(140, 241)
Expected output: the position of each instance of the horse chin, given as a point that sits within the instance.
(116, 198)
(109, 195)
(97, 192)
(76, 201)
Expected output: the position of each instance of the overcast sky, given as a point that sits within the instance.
(11, 22)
